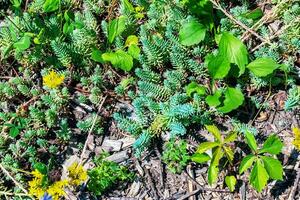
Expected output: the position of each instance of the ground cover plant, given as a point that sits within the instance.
(149, 99)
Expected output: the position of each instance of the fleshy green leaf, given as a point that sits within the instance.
(272, 145)
(273, 167)
(51, 5)
(259, 176)
(230, 182)
(195, 87)
(41, 167)
(14, 131)
(254, 14)
(23, 43)
(233, 99)
(251, 141)
(200, 157)
(132, 39)
(246, 163)
(97, 55)
(192, 33)
(116, 27)
(119, 59)
(234, 50)
(214, 100)
(215, 131)
(218, 67)
(205, 146)
(134, 51)
(262, 66)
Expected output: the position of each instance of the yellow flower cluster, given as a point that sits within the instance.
(296, 141)
(53, 79)
(77, 174)
(38, 186)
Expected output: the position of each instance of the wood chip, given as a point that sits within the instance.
(118, 157)
(111, 145)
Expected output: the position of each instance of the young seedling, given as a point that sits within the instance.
(265, 166)
(219, 147)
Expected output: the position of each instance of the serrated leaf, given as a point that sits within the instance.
(213, 174)
(230, 182)
(218, 67)
(229, 153)
(233, 99)
(195, 87)
(234, 50)
(23, 43)
(230, 137)
(116, 27)
(246, 163)
(192, 33)
(200, 157)
(204, 146)
(215, 131)
(259, 176)
(51, 5)
(273, 167)
(214, 100)
(214, 165)
(250, 139)
(272, 145)
(119, 59)
(262, 66)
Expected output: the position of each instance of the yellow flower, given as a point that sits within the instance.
(77, 174)
(56, 190)
(53, 79)
(36, 184)
(296, 141)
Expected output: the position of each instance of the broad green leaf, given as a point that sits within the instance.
(14, 131)
(246, 163)
(191, 33)
(230, 182)
(259, 176)
(132, 39)
(217, 155)
(214, 100)
(254, 14)
(272, 145)
(23, 43)
(97, 55)
(230, 137)
(273, 167)
(200, 157)
(215, 131)
(234, 50)
(119, 59)
(218, 67)
(194, 87)
(116, 27)
(262, 66)
(205, 146)
(250, 139)
(134, 51)
(41, 167)
(233, 99)
(51, 5)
